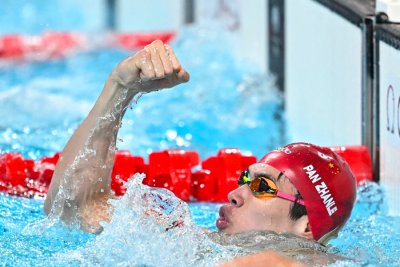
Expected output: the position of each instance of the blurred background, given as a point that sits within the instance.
(97, 16)
(317, 71)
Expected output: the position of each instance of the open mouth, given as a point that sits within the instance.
(222, 221)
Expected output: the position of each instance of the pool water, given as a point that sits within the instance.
(226, 104)
(26, 240)
(370, 235)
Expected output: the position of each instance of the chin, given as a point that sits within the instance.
(231, 231)
(226, 230)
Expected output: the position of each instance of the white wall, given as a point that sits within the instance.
(149, 15)
(246, 21)
(323, 75)
(253, 45)
(389, 128)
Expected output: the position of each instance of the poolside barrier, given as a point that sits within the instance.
(174, 169)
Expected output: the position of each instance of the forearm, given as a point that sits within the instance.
(84, 169)
(81, 181)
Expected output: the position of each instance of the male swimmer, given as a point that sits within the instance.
(302, 189)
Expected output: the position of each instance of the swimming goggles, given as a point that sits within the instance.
(263, 187)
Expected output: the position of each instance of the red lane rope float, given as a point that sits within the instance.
(25, 177)
(132, 41)
(171, 169)
(52, 45)
(359, 160)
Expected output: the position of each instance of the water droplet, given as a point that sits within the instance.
(26, 130)
(171, 134)
(188, 136)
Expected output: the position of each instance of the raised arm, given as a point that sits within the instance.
(80, 185)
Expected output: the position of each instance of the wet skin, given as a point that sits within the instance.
(245, 212)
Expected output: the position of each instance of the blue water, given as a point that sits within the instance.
(36, 16)
(226, 104)
(370, 237)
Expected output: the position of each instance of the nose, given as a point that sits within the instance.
(237, 197)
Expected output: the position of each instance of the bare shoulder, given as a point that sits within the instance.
(94, 212)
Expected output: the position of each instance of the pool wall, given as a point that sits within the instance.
(323, 75)
(388, 88)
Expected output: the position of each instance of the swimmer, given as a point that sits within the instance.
(300, 189)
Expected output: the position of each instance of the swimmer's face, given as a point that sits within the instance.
(245, 212)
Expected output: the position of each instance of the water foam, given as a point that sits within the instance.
(151, 227)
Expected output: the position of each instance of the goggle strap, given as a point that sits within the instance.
(290, 198)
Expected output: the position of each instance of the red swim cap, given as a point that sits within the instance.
(323, 179)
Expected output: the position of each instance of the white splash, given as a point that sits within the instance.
(151, 227)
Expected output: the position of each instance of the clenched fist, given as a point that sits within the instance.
(153, 68)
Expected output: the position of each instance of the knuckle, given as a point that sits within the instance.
(146, 56)
(177, 66)
(143, 53)
(160, 75)
(150, 75)
(142, 57)
(147, 47)
(168, 49)
(157, 42)
(168, 71)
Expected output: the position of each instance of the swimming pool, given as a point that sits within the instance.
(226, 104)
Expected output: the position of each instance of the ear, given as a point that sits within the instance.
(307, 232)
(302, 228)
